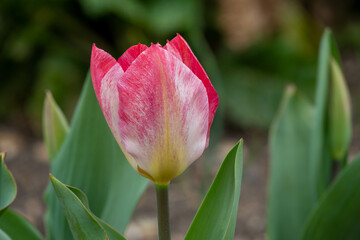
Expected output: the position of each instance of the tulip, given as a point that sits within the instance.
(159, 104)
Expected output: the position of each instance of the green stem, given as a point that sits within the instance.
(162, 196)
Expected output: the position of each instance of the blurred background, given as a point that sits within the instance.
(250, 49)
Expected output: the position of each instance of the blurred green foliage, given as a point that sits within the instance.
(46, 44)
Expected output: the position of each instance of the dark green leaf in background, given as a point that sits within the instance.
(17, 227)
(290, 200)
(304, 141)
(216, 217)
(83, 224)
(320, 162)
(7, 185)
(331, 135)
(320, 152)
(337, 216)
(160, 17)
(258, 75)
(91, 160)
(247, 85)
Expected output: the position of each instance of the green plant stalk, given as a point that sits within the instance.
(162, 197)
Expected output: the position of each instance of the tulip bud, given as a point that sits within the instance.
(159, 104)
(339, 113)
(55, 126)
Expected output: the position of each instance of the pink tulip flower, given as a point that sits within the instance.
(159, 104)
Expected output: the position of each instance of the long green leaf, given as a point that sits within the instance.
(290, 199)
(216, 217)
(83, 224)
(8, 188)
(17, 227)
(319, 147)
(90, 159)
(337, 216)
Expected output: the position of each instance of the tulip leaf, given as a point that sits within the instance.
(216, 217)
(8, 187)
(320, 151)
(320, 161)
(17, 227)
(55, 125)
(290, 200)
(110, 231)
(4, 236)
(83, 224)
(337, 215)
(80, 194)
(91, 160)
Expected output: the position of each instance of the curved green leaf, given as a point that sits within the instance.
(83, 224)
(4, 236)
(8, 187)
(290, 200)
(80, 194)
(110, 231)
(90, 159)
(216, 217)
(337, 215)
(17, 227)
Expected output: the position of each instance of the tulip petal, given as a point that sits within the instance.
(130, 55)
(164, 114)
(179, 47)
(101, 63)
(105, 74)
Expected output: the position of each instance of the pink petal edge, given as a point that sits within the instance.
(101, 62)
(179, 47)
(130, 55)
(105, 73)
